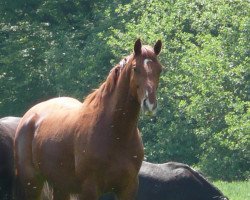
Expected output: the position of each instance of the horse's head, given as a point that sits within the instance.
(145, 73)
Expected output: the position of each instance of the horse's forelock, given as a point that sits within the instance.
(126, 61)
(148, 51)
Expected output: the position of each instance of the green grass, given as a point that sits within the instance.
(235, 190)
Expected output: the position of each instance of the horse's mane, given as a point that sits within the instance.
(105, 88)
(108, 86)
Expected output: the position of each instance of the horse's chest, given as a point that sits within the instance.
(109, 163)
(115, 173)
(109, 168)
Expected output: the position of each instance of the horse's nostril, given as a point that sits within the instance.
(155, 106)
(145, 102)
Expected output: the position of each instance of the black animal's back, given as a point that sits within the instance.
(173, 181)
(8, 127)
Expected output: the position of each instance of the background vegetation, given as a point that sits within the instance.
(52, 48)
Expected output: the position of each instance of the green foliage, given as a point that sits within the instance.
(56, 48)
(50, 48)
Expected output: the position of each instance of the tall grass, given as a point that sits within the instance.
(235, 190)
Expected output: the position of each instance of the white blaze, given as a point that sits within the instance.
(147, 67)
(149, 105)
(148, 70)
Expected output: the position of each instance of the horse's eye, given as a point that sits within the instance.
(135, 69)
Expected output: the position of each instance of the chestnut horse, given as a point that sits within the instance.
(8, 127)
(93, 147)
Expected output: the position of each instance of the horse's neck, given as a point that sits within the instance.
(124, 110)
(117, 108)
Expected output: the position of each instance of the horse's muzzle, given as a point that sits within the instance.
(149, 108)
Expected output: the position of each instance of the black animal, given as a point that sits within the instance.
(173, 181)
(8, 127)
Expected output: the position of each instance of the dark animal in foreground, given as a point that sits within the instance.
(173, 181)
(9, 188)
(93, 147)
(8, 127)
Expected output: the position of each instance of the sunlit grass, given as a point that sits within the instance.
(235, 190)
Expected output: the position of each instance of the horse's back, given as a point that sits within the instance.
(52, 105)
(54, 109)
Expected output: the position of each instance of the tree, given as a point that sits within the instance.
(66, 48)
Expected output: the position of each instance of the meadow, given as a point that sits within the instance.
(237, 190)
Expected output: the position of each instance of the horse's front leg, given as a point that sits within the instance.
(129, 192)
(89, 190)
(60, 194)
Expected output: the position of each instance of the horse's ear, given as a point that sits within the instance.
(157, 47)
(137, 47)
